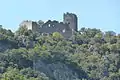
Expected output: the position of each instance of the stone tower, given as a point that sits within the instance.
(70, 19)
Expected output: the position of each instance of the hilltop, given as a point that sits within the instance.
(89, 54)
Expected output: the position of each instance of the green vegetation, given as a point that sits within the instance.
(94, 54)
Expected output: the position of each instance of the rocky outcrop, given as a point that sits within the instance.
(56, 71)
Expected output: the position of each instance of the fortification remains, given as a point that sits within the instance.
(71, 20)
(66, 28)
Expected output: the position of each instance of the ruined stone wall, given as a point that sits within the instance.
(67, 34)
(66, 27)
(27, 24)
(35, 26)
(70, 19)
(54, 26)
(31, 25)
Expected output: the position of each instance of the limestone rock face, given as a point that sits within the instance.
(56, 71)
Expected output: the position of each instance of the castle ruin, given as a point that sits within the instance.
(66, 28)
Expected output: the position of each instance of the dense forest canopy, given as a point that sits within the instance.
(90, 53)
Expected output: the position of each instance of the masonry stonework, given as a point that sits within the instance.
(66, 28)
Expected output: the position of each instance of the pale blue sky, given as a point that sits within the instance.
(101, 14)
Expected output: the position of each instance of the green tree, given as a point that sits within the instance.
(57, 36)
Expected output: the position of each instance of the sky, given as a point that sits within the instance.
(100, 14)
